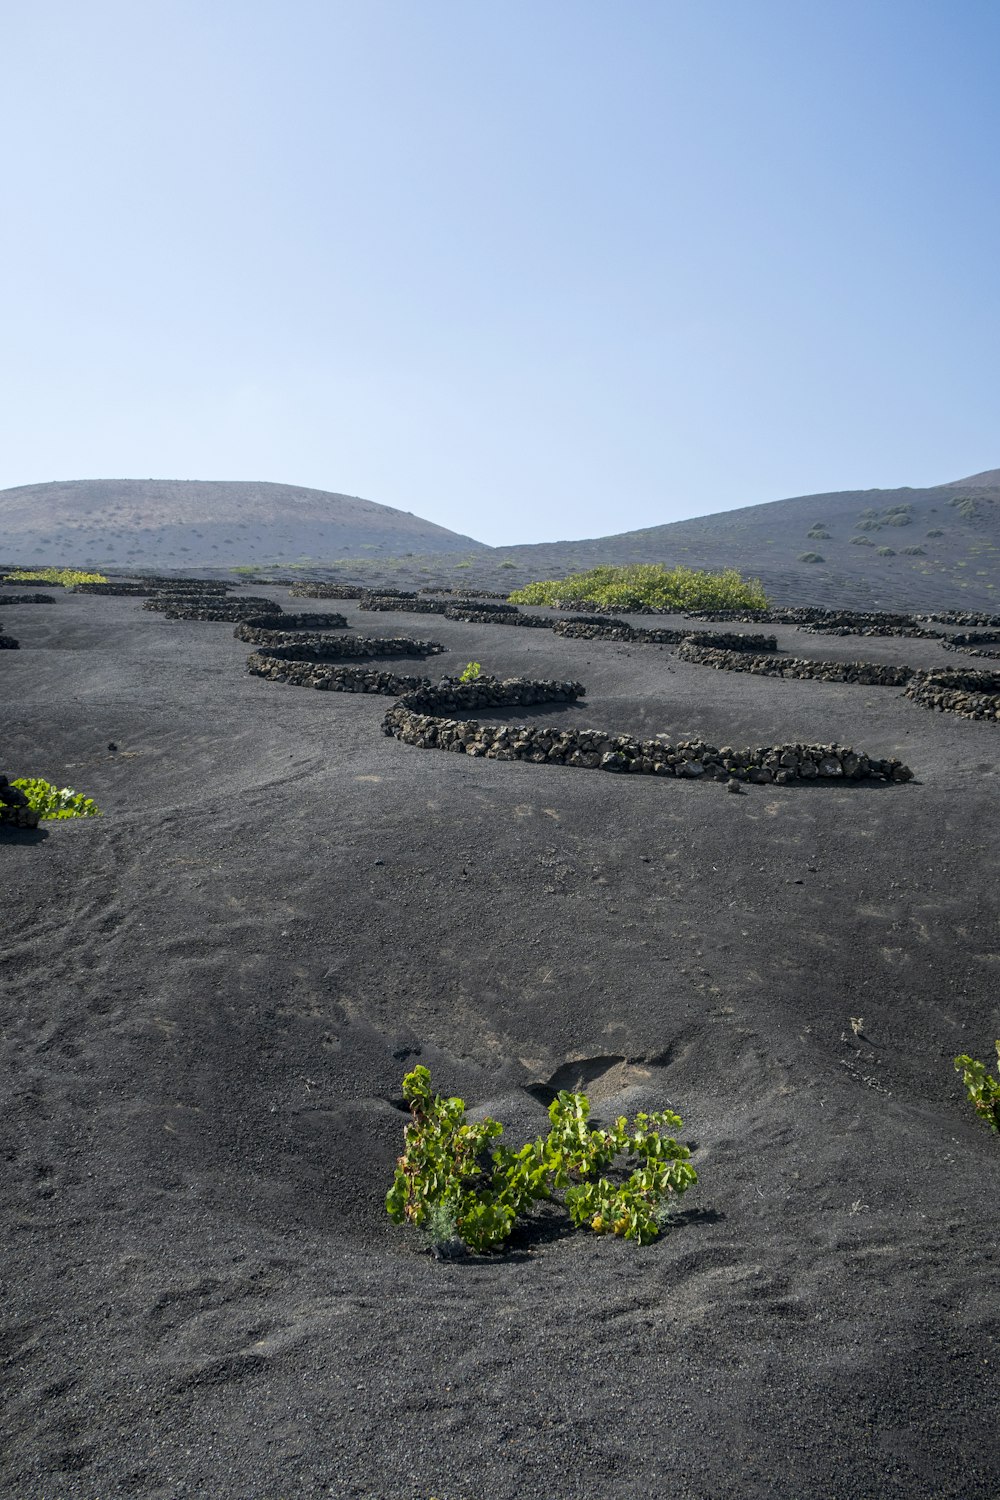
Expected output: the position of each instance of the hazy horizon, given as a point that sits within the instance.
(527, 273)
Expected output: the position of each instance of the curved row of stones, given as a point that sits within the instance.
(971, 694)
(309, 659)
(870, 673)
(417, 720)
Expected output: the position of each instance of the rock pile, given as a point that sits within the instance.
(27, 599)
(14, 809)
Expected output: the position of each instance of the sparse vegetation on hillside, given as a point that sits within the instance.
(652, 584)
(67, 577)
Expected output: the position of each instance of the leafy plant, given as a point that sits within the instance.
(454, 1172)
(811, 557)
(653, 584)
(50, 801)
(66, 576)
(982, 1088)
(471, 672)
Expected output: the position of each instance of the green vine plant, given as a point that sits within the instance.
(472, 671)
(982, 1088)
(457, 1184)
(67, 577)
(50, 801)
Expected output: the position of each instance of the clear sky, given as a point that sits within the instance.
(533, 269)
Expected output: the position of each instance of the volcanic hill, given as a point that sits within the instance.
(184, 523)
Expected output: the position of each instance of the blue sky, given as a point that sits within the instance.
(531, 270)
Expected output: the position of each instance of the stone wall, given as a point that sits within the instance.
(870, 673)
(215, 609)
(299, 673)
(326, 591)
(975, 638)
(255, 627)
(591, 749)
(970, 650)
(8, 643)
(473, 614)
(970, 694)
(620, 630)
(491, 692)
(460, 593)
(411, 605)
(963, 617)
(292, 646)
(818, 621)
(27, 599)
(140, 586)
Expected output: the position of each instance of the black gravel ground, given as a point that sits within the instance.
(211, 994)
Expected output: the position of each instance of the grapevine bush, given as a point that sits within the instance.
(50, 801)
(651, 584)
(982, 1088)
(454, 1178)
(65, 576)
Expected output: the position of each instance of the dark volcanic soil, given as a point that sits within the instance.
(211, 994)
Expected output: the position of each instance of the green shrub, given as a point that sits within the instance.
(869, 525)
(886, 551)
(918, 552)
(862, 541)
(819, 534)
(471, 672)
(65, 576)
(453, 1179)
(653, 584)
(982, 1088)
(899, 518)
(936, 532)
(50, 801)
(811, 557)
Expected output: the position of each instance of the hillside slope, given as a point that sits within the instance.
(135, 523)
(905, 548)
